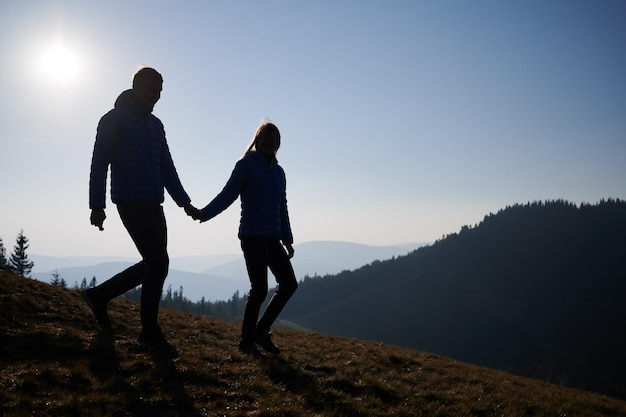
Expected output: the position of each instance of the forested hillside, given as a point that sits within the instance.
(536, 289)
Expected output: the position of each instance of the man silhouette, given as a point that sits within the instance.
(132, 141)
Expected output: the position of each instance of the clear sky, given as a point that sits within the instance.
(401, 121)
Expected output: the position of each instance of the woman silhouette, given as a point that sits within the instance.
(263, 230)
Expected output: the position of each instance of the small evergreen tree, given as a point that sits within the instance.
(56, 279)
(19, 259)
(168, 295)
(4, 263)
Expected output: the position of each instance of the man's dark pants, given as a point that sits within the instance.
(145, 222)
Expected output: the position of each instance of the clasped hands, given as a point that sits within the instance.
(194, 213)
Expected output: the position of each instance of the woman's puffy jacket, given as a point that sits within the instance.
(261, 183)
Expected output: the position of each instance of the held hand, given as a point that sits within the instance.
(97, 218)
(290, 251)
(193, 212)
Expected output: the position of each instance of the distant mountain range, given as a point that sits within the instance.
(218, 277)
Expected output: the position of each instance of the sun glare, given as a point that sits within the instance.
(59, 64)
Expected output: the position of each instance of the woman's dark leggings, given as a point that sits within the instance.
(261, 254)
(145, 222)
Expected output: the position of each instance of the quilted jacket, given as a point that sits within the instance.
(132, 141)
(261, 184)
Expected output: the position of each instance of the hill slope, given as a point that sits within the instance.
(53, 364)
(535, 289)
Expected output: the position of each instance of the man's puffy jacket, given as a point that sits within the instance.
(132, 140)
(261, 183)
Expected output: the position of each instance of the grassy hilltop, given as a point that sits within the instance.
(54, 363)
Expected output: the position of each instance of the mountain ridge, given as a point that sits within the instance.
(536, 289)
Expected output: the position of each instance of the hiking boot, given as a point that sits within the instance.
(98, 308)
(249, 349)
(157, 345)
(264, 340)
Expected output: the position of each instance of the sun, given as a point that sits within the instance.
(59, 64)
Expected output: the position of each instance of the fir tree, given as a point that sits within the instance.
(56, 279)
(19, 259)
(4, 263)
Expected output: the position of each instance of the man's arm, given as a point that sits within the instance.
(103, 151)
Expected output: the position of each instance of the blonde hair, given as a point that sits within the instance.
(266, 127)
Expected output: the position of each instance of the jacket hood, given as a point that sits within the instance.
(126, 100)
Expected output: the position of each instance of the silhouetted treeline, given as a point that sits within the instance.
(233, 307)
(59, 281)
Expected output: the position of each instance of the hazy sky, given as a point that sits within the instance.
(401, 121)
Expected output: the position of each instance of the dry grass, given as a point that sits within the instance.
(54, 363)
